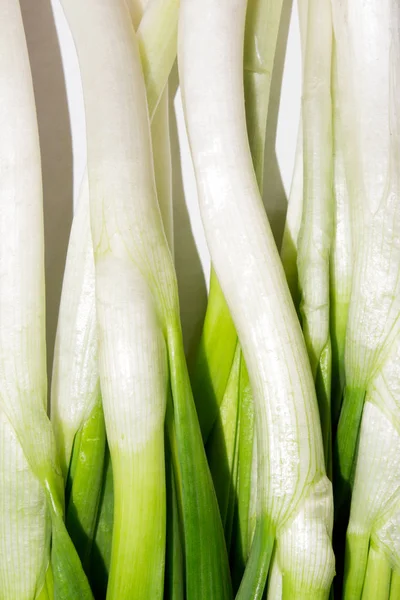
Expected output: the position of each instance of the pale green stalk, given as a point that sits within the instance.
(395, 585)
(76, 402)
(293, 222)
(157, 46)
(23, 400)
(222, 448)
(217, 346)
(100, 557)
(216, 371)
(376, 488)
(341, 259)
(368, 59)
(76, 409)
(294, 494)
(23, 510)
(162, 165)
(315, 233)
(295, 201)
(263, 19)
(261, 35)
(140, 345)
(377, 576)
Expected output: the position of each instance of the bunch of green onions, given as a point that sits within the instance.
(269, 467)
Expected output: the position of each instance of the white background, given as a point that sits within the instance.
(62, 134)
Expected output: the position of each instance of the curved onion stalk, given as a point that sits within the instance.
(261, 36)
(75, 400)
(23, 351)
(294, 494)
(341, 255)
(376, 491)
(138, 319)
(220, 381)
(368, 58)
(315, 233)
(218, 342)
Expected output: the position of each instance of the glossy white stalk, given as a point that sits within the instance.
(368, 33)
(75, 382)
(292, 481)
(75, 379)
(341, 257)
(134, 275)
(25, 444)
(157, 36)
(295, 200)
(368, 60)
(376, 489)
(163, 165)
(315, 233)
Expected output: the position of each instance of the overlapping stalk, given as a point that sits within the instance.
(219, 378)
(19, 488)
(367, 467)
(292, 485)
(76, 407)
(315, 234)
(136, 286)
(371, 163)
(32, 494)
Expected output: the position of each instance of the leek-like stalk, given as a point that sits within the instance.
(75, 383)
(395, 585)
(220, 382)
(294, 214)
(368, 58)
(76, 408)
(341, 254)
(100, 558)
(291, 230)
(162, 164)
(222, 448)
(23, 400)
(138, 317)
(75, 400)
(315, 233)
(24, 517)
(376, 489)
(157, 47)
(292, 486)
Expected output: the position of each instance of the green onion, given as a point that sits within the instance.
(138, 317)
(292, 485)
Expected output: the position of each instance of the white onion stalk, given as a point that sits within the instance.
(76, 409)
(140, 341)
(295, 200)
(23, 400)
(295, 499)
(341, 257)
(315, 235)
(374, 523)
(23, 510)
(368, 60)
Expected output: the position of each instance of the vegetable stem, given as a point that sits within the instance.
(377, 576)
(357, 547)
